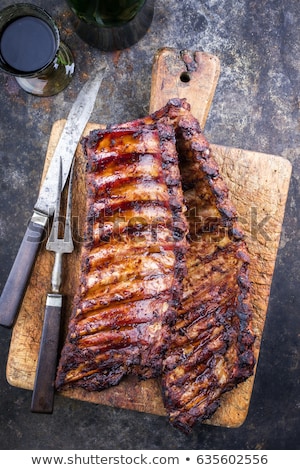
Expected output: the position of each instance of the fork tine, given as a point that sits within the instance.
(55, 224)
(65, 244)
(68, 228)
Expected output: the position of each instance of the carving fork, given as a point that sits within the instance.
(43, 391)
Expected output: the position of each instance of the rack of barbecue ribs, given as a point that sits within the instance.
(164, 289)
(132, 260)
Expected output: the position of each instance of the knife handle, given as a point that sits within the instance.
(15, 287)
(43, 391)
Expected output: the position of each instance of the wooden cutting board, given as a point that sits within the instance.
(258, 184)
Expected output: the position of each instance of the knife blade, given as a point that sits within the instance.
(15, 286)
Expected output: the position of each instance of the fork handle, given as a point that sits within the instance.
(43, 391)
(56, 272)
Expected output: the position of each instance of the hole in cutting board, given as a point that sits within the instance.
(185, 77)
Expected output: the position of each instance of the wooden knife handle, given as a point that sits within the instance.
(43, 391)
(15, 287)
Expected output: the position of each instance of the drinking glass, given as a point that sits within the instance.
(31, 50)
(112, 24)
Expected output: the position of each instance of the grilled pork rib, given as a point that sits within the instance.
(150, 302)
(132, 260)
(211, 347)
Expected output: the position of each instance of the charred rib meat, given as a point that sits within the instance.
(132, 259)
(153, 302)
(211, 348)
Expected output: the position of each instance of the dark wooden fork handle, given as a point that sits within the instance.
(43, 391)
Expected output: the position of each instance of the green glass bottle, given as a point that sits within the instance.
(112, 24)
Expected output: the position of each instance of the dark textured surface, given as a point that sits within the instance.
(256, 107)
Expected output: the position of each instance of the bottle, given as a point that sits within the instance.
(111, 24)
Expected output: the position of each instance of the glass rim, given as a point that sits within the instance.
(17, 10)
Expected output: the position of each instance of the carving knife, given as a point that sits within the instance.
(15, 287)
